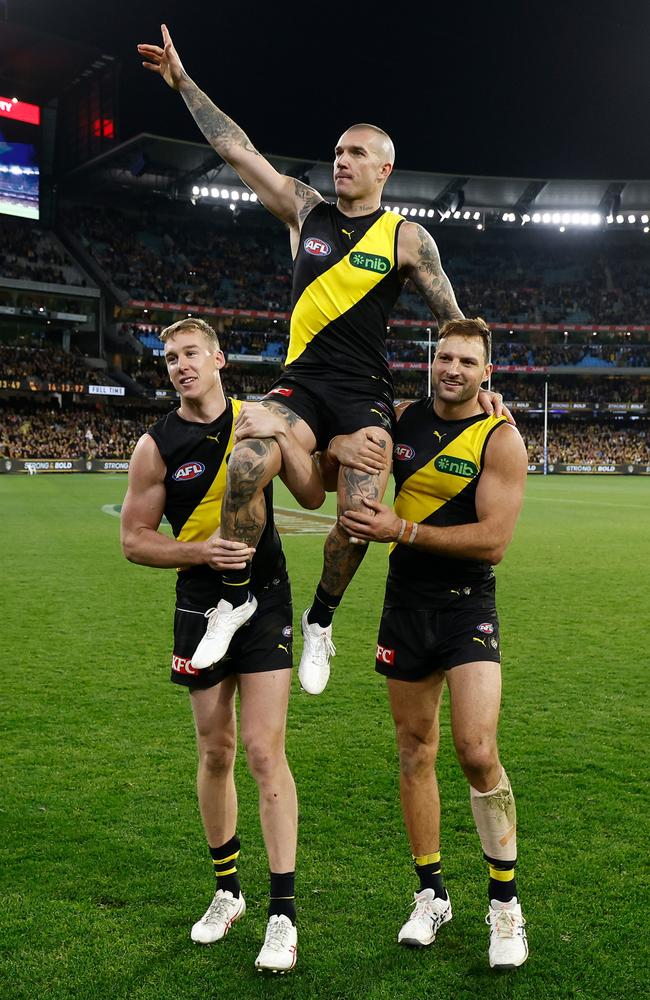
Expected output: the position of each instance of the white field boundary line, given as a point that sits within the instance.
(305, 513)
(591, 503)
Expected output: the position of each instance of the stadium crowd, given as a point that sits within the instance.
(39, 429)
(31, 254)
(46, 364)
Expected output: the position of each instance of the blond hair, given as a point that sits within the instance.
(183, 325)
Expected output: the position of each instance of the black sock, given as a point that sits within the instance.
(323, 608)
(225, 865)
(503, 885)
(283, 900)
(429, 872)
(234, 585)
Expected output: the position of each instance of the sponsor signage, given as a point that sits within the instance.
(20, 111)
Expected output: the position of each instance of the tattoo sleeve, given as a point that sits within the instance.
(222, 132)
(306, 199)
(431, 281)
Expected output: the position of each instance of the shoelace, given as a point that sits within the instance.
(276, 936)
(506, 924)
(324, 647)
(219, 909)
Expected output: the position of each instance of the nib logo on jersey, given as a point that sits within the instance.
(190, 470)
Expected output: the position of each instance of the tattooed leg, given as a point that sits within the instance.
(343, 557)
(253, 464)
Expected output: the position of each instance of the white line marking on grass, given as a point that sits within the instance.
(591, 503)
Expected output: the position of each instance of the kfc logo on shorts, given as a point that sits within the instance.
(316, 247)
(386, 656)
(183, 665)
(191, 470)
(280, 391)
(404, 452)
(486, 627)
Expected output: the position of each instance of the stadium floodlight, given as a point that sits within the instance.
(480, 225)
(422, 212)
(456, 215)
(395, 210)
(620, 219)
(232, 206)
(646, 229)
(505, 217)
(431, 213)
(477, 216)
(525, 218)
(196, 191)
(245, 196)
(645, 219)
(404, 211)
(537, 218)
(253, 196)
(204, 192)
(596, 218)
(566, 218)
(234, 195)
(563, 229)
(466, 215)
(413, 211)
(556, 218)
(214, 192)
(631, 219)
(610, 219)
(546, 218)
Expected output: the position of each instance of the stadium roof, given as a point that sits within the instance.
(35, 66)
(176, 168)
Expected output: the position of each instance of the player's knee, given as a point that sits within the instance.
(217, 758)
(417, 752)
(263, 757)
(478, 758)
(253, 462)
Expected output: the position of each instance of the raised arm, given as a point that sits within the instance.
(142, 513)
(420, 261)
(287, 198)
(499, 497)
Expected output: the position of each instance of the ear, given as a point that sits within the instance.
(385, 171)
(219, 359)
(487, 371)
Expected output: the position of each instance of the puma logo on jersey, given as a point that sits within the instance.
(348, 232)
(438, 435)
(213, 437)
(482, 641)
(285, 648)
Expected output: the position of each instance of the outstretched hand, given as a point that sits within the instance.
(165, 61)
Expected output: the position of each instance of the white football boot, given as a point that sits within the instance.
(318, 648)
(219, 917)
(223, 622)
(429, 913)
(508, 944)
(280, 948)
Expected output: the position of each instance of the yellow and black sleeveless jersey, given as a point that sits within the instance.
(345, 283)
(437, 465)
(196, 456)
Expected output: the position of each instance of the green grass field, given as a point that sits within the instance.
(104, 866)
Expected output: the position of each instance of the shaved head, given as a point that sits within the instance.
(380, 141)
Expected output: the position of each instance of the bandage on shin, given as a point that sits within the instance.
(495, 816)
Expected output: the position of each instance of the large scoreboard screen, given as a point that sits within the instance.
(19, 157)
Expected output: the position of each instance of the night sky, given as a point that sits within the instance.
(554, 89)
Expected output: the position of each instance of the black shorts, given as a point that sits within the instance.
(264, 643)
(413, 644)
(336, 405)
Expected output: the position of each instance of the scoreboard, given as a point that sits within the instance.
(19, 158)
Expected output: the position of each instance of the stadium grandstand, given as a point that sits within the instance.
(133, 236)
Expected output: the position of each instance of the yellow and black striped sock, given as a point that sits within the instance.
(224, 859)
(429, 871)
(503, 885)
(283, 899)
(234, 585)
(323, 608)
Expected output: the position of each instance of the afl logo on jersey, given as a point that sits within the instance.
(191, 470)
(404, 452)
(316, 247)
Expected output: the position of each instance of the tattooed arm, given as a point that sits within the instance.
(290, 200)
(419, 260)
